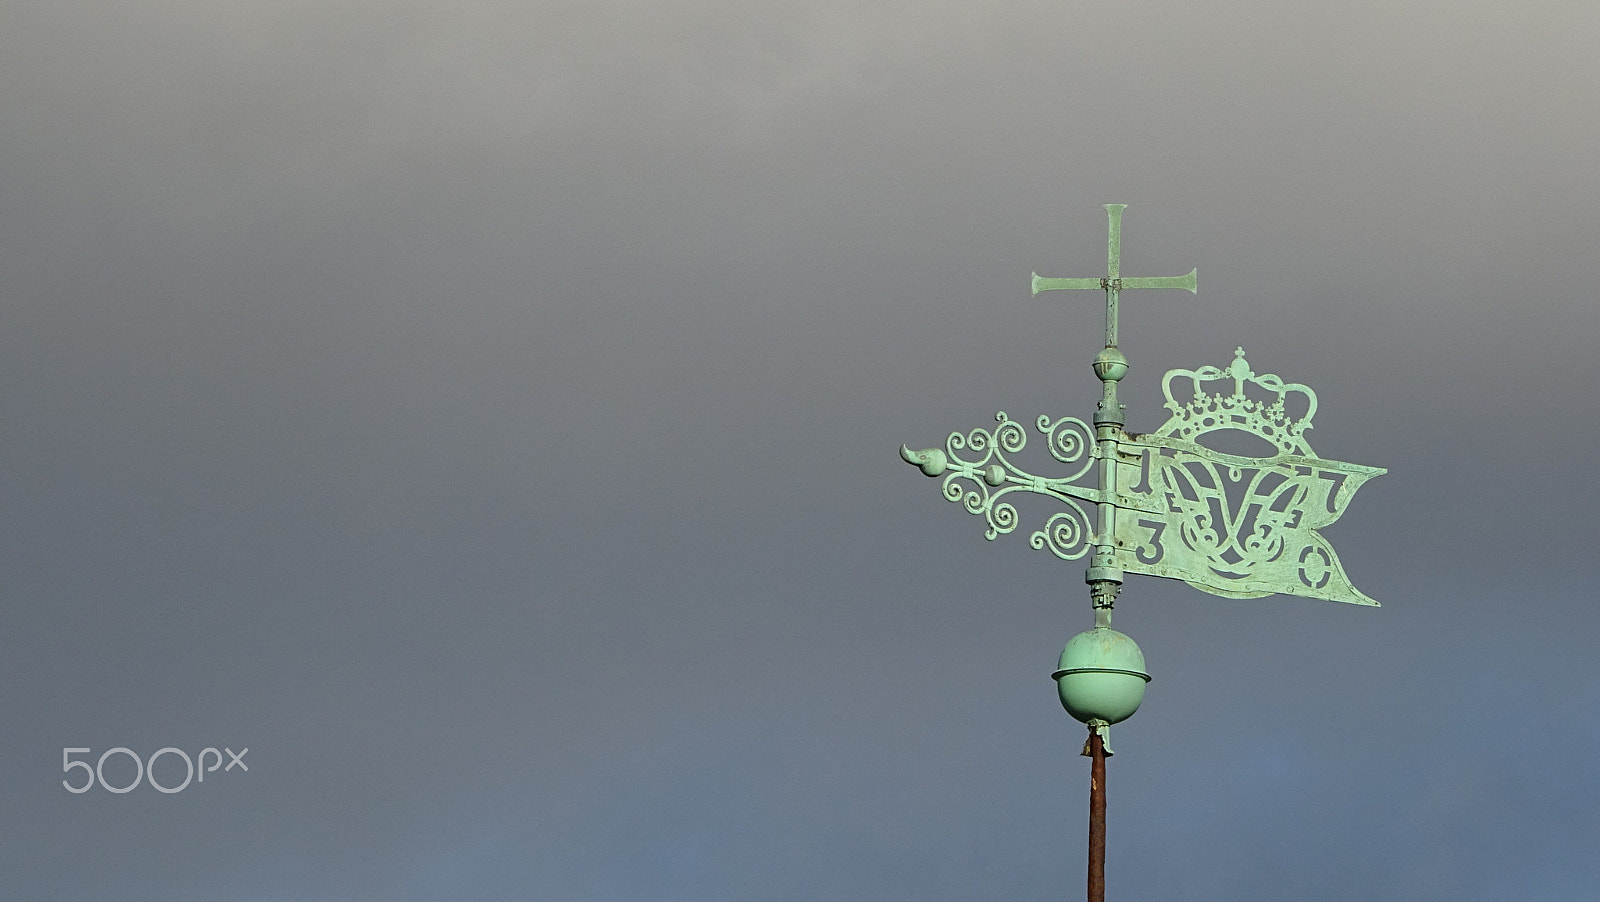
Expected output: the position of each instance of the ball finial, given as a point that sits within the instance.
(1102, 676)
(1110, 365)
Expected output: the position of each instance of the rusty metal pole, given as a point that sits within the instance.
(1097, 817)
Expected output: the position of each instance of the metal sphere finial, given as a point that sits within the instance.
(1101, 677)
(1110, 365)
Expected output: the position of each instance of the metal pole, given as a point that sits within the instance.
(1097, 817)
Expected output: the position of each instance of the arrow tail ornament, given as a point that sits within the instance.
(980, 476)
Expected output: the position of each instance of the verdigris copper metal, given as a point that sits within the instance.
(1167, 505)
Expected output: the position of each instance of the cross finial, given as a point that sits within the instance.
(1113, 283)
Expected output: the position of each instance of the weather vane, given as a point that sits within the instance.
(1164, 505)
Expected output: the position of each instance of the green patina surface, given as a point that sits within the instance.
(1164, 503)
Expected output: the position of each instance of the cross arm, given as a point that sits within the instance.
(1188, 280)
(1040, 283)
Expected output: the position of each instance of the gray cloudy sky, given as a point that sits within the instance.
(486, 413)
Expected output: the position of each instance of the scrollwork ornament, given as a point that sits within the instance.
(976, 500)
(1069, 440)
(1066, 534)
(1002, 518)
(953, 489)
(1009, 435)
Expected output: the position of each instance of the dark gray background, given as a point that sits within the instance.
(486, 413)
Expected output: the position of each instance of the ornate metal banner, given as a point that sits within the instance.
(1239, 526)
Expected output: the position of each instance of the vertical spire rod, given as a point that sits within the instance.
(1113, 269)
(1097, 817)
